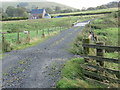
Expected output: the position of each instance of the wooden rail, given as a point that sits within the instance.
(100, 77)
(97, 68)
(113, 48)
(94, 71)
(103, 59)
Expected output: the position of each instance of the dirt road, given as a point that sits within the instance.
(38, 66)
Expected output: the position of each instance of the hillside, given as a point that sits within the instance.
(31, 5)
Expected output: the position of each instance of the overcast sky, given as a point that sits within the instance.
(73, 3)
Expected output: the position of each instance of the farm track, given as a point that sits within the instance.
(38, 66)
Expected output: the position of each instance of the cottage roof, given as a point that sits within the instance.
(37, 11)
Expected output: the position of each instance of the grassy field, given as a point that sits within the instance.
(37, 28)
(106, 30)
(86, 12)
(72, 76)
(32, 25)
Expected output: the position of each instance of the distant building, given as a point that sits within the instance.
(47, 15)
(39, 13)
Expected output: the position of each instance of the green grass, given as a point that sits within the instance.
(109, 65)
(72, 76)
(108, 33)
(106, 30)
(13, 45)
(34, 26)
(112, 55)
(86, 12)
(105, 35)
(12, 37)
(34, 42)
(40, 24)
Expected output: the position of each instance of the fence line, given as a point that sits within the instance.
(24, 37)
(113, 48)
(97, 71)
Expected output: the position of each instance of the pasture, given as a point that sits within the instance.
(37, 28)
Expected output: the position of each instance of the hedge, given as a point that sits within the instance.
(14, 18)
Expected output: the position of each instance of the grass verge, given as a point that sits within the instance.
(72, 76)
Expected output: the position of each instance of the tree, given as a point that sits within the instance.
(101, 7)
(109, 5)
(28, 10)
(20, 11)
(83, 8)
(4, 15)
(112, 4)
(78, 10)
(90, 8)
(10, 11)
(57, 9)
(49, 10)
(1, 10)
(66, 11)
(25, 14)
(16, 12)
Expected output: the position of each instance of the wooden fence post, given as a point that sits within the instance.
(18, 38)
(36, 32)
(28, 37)
(100, 52)
(43, 35)
(3, 42)
(55, 28)
(48, 32)
(85, 49)
(60, 28)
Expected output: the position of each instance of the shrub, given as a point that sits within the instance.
(95, 27)
(77, 46)
(6, 47)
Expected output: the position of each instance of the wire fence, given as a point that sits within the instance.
(8, 39)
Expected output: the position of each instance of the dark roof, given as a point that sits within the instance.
(37, 11)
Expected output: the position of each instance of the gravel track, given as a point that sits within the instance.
(38, 66)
